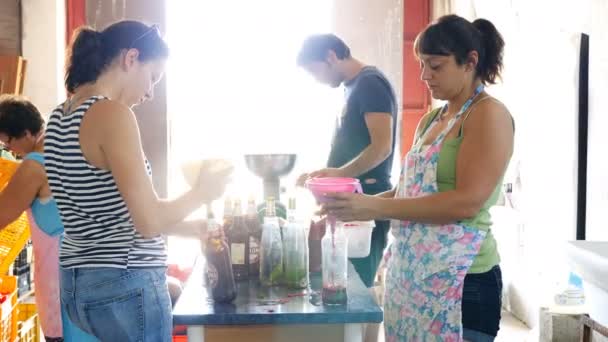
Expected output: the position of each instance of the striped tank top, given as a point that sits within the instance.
(99, 231)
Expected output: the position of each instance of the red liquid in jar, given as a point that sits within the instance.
(334, 295)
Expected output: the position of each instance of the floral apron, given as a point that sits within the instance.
(428, 262)
(46, 273)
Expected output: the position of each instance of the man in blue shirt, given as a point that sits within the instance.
(364, 137)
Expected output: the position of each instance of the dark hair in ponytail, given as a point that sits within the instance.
(490, 63)
(454, 35)
(91, 52)
(84, 60)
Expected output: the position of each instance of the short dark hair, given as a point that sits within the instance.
(454, 35)
(92, 51)
(316, 47)
(18, 115)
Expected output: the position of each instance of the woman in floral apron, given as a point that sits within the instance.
(449, 180)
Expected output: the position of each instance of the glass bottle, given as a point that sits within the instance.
(219, 279)
(271, 251)
(227, 217)
(238, 239)
(255, 233)
(295, 250)
(335, 260)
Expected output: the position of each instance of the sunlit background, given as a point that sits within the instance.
(234, 88)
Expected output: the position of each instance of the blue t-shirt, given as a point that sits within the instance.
(369, 92)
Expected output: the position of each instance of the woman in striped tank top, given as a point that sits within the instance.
(113, 257)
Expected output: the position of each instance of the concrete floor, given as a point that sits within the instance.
(511, 330)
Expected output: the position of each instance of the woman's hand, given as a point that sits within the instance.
(327, 172)
(204, 235)
(352, 207)
(203, 232)
(213, 179)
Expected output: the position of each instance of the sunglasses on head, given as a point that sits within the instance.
(153, 28)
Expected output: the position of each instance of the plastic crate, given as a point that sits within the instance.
(25, 269)
(8, 316)
(14, 236)
(28, 323)
(24, 284)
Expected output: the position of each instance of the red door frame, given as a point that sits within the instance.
(75, 16)
(416, 97)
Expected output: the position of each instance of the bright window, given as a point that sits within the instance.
(234, 87)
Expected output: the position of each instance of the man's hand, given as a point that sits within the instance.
(302, 179)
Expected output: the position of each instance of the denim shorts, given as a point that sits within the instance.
(118, 304)
(481, 305)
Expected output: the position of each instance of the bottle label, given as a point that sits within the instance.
(212, 276)
(237, 253)
(254, 250)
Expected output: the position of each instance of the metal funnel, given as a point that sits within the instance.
(270, 167)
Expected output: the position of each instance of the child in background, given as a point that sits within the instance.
(22, 132)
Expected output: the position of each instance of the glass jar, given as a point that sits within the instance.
(334, 264)
(271, 249)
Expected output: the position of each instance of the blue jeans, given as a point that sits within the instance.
(118, 304)
(71, 333)
(475, 336)
(481, 305)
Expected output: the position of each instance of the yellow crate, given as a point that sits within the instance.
(14, 236)
(8, 316)
(28, 323)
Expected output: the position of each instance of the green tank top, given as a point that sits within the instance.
(446, 180)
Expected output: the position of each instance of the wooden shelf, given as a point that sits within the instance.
(12, 74)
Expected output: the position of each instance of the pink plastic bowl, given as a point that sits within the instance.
(325, 185)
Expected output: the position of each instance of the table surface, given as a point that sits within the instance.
(259, 305)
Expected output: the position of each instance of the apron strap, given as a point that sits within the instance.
(466, 115)
(428, 123)
(465, 109)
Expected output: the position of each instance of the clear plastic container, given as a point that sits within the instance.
(359, 236)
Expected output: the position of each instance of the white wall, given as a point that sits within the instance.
(375, 35)
(597, 191)
(44, 48)
(540, 87)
